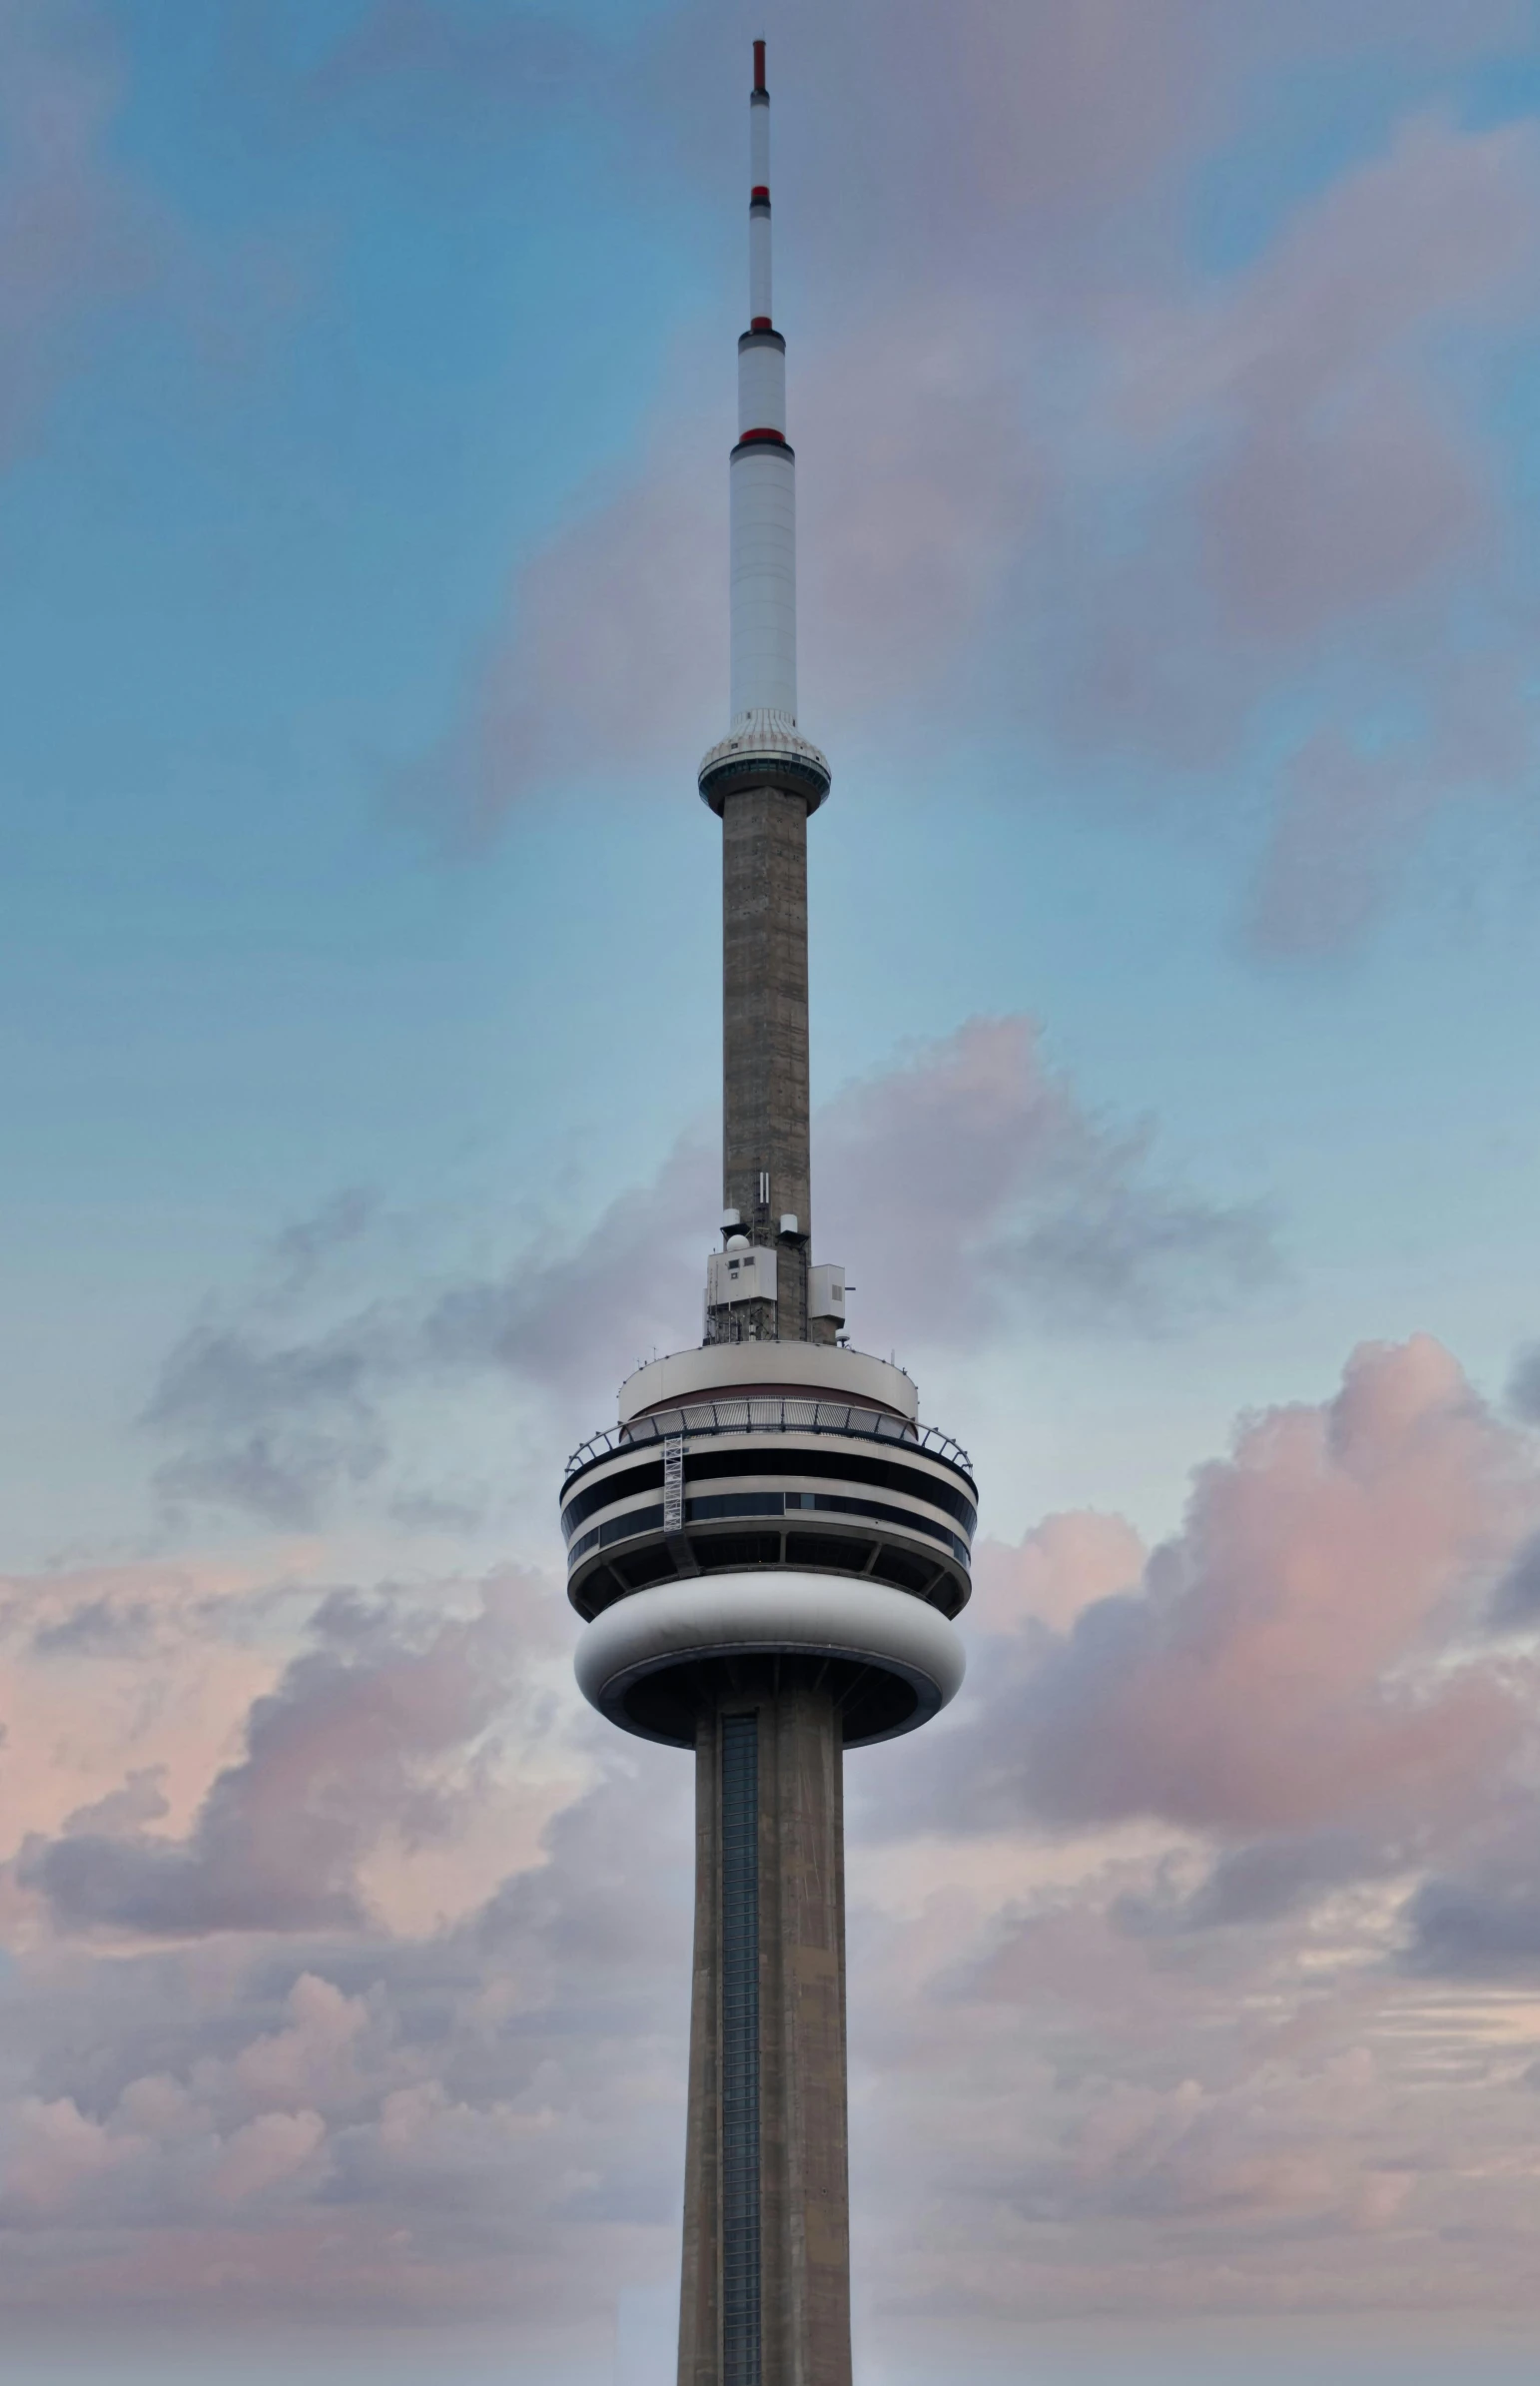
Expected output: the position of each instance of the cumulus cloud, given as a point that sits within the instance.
(369, 1732)
(1291, 1664)
(504, 2095)
(59, 2154)
(1059, 1568)
(276, 2149)
(1163, 1941)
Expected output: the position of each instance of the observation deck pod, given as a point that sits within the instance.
(763, 1500)
(764, 749)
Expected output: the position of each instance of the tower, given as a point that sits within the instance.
(768, 1549)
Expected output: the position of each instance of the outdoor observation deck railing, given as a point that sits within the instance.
(769, 1416)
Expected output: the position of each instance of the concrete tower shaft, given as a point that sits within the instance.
(765, 2291)
(766, 1167)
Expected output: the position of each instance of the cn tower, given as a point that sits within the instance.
(768, 1549)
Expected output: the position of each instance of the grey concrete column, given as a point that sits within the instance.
(765, 1171)
(767, 2183)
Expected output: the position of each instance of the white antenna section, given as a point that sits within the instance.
(763, 482)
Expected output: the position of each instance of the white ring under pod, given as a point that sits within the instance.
(775, 1612)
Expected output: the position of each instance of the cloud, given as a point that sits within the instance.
(77, 236)
(276, 2149)
(1516, 1600)
(502, 2096)
(314, 2056)
(87, 242)
(1486, 1928)
(1164, 1943)
(1339, 478)
(1265, 1881)
(1291, 1665)
(369, 1733)
(1524, 1384)
(97, 1627)
(272, 1428)
(975, 1153)
(1057, 1569)
(1346, 821)
(1244, 526)
(612, 655)
(971, 1149)
(1321, 524)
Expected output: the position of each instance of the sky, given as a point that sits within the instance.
(1163, 377)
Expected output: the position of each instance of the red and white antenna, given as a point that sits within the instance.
(764, 513)
(762, 745)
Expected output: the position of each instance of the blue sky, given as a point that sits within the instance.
(1162, 379)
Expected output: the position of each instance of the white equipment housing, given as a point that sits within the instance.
(826, 1293)
(744, 1274)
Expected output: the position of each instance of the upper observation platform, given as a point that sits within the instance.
(769, 1456)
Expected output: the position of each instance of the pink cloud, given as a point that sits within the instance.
(1051, 474)
(1057, 1570)
(1075, 2090)
(314, 2056)
(277, 2150)
(919, 489)
(59, 2152)
(366, 1742)
(78, 234)
(1294, 1660)
(1343, 474)
(976, 1151)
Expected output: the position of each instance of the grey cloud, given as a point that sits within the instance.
(971, 1151)
(1263, 1882)
(1216, 2113)
(1226, 1697)
(270, 1431)
(97, 1628)
(339, 1753)
(1345, 824)
(281, 1428)
(1516, 1600)
(1524, 1384)
(124, 1811)
(507, 2091)
(299, 1250)
(1473, 1929)
(429, 69)
(978, 1155)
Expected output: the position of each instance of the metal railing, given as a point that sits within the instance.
(770, 1416)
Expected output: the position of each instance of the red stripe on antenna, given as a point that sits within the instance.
(759, 66)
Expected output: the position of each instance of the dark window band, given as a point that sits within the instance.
(701, 1466)
(763, 1503)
